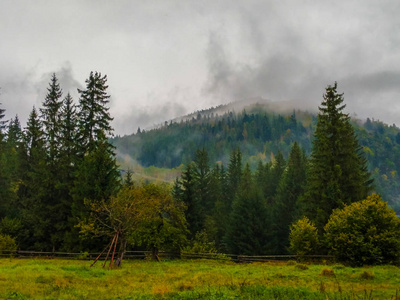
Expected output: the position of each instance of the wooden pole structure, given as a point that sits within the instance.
(109, 250)
(99, 255)
(115, 247)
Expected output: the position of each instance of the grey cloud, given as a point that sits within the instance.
(66, 79)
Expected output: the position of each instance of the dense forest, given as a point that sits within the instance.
(253, 182)
(260, 131)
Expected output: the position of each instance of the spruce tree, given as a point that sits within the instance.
(290, 189)
(4, 182)
(276, 172)
(67, 166)
(51, 118)
(202, 176)
(234, 175)
(36, 210)
(338, 172)
(3, 123)
(248, 224)
(94, 118)
(186, 190)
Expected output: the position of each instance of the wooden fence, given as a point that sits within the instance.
(164, 255)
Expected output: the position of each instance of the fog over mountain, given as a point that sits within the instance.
(164, 59)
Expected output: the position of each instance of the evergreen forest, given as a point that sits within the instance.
(247, 177)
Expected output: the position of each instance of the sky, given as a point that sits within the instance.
(167, 58)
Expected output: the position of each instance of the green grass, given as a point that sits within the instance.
(197, 279)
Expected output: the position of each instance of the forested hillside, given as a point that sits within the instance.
(259, 131)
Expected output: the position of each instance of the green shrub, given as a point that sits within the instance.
(304, 238)
(7, 244)
(365, 232)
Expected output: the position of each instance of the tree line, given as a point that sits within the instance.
(61, 189)
(60, 161)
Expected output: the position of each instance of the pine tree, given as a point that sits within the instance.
(4, 182)
(202, 176)
(291, 187)
(3, 123)
(51, 118)
(234, 175)
(276, 172)
(67, 167)
(97, 176)
(186, 191)
(338, 172)
(94, 118)
(248, 225)
(13, 166)
(36, 212)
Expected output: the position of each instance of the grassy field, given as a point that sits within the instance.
(193, 279)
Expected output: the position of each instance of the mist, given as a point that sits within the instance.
(167, 59)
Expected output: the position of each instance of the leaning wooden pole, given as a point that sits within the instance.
(115, 247)
(109, 250)
(99, 255)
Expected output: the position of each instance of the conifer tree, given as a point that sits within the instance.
(185, 190)
(248, 224)
(67, 166)
(220, 211)
(4, 184)
(13, 166)
(94, 118)
(3, 123)
(290, 189)
(276, 172)
(36, 211)
(202, 176)
(338, 172)
(234, 175)
(51, 118)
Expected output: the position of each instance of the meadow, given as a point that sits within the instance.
(193, 279)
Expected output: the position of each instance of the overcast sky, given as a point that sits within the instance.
(166, 58)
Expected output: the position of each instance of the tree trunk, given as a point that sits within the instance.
(154, 253)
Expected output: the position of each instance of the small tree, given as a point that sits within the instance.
(160, 221)
(365, 232)
(139, 215)
(7, 244)
(304, 238)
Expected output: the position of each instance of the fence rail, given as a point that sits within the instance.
(161, 254)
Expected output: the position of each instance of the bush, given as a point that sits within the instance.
(365, 232)
(7, 245)
(304, 238)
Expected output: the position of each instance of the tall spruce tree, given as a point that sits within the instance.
(68, 161)
(4, 183)
(94, 118)
(36, 210)
(234, 175)
(290, 189)
(13, 166)
(248, 224)
(202, 175)
(96, 177)
(51, 118)
(186, 190)
(338, 171)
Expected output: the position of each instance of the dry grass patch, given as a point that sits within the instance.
(327, 273)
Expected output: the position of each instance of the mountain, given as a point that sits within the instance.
(260, 130)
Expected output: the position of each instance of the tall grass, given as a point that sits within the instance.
(193, 279)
